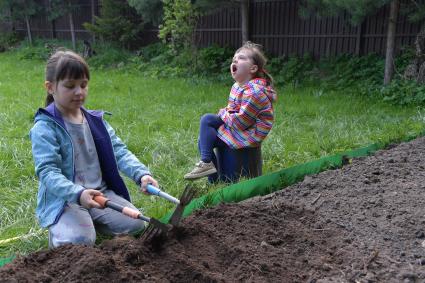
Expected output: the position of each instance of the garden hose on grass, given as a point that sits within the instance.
(5, 241)
(20, 237)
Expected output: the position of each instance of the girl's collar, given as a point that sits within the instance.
(254, 80)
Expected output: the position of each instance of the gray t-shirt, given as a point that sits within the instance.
(87, 168)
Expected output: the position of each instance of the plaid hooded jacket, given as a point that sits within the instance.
(249, 115)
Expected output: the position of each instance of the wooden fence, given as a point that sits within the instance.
(42, 27)
(273, 23)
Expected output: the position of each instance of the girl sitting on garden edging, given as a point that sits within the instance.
(249, 115)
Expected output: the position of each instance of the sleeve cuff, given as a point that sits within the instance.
(79, 196)
(138, 182)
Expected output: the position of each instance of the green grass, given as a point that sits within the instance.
(159, 118)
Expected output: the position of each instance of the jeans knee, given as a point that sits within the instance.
(78, 239)
(88, 240)
(210, 120)
(136, 226)
(206, 118)
(130, 226)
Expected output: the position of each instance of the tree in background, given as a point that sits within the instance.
(359, 9)
(179, 22)
(20, 10)
(57, 9)
(118, 23)
(416, 69)
(151, 11)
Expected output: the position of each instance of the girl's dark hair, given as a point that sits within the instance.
(65, 65)
(258, 59)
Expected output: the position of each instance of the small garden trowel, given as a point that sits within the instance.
(185, 198)
(155, 227)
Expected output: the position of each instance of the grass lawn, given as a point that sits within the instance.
(159, 118)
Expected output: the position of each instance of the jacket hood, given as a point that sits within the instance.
(268, 89)
(52, 112)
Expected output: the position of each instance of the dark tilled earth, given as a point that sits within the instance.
(362, 223)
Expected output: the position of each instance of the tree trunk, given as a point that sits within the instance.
(27, 22)
(420, 44)
(93, 14)
(71, 25)
(420, 54)
(245, 20)
(415, 70)
(389, 57)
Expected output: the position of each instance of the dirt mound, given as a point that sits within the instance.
(362, 223)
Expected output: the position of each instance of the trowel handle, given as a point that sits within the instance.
(155, 191)
(131, 212)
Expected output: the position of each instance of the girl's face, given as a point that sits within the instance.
(69, 94)
(243, 68)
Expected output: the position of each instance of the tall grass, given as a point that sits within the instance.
(159, 118)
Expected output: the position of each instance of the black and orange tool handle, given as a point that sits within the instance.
(104, 202)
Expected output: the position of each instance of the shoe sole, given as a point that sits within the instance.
(201, 175)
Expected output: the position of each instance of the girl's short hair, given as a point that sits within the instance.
(258, 58)
(65, 64)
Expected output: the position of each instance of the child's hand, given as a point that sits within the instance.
(86, 198)
(145, 180)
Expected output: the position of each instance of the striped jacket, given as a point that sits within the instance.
(249, 114)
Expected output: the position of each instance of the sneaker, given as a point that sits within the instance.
(201, 170)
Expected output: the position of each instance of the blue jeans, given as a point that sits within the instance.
(208, 139)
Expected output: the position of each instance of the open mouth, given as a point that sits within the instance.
(234, 68)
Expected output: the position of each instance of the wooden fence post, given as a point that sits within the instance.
(359, 39)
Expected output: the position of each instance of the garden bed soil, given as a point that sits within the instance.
(361, 223)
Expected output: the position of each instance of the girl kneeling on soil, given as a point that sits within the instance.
(77, 157)
(248, 117)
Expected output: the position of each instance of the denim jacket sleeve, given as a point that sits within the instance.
(49, 164)
(127, 162)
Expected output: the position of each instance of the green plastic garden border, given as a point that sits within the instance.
(5, 260)
(269, 183)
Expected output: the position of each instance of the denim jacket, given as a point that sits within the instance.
(52, 151)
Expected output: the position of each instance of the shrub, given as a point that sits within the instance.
(292, 70)
(119, 24)
(108, 56)
(178, 24)
(151, 51)
(404, 92)
(8, 40)
(40, 49)
(351, 74)
(213, 60)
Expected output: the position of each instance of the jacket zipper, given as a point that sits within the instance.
(72, 151)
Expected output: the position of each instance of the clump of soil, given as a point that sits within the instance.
(361, 223)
